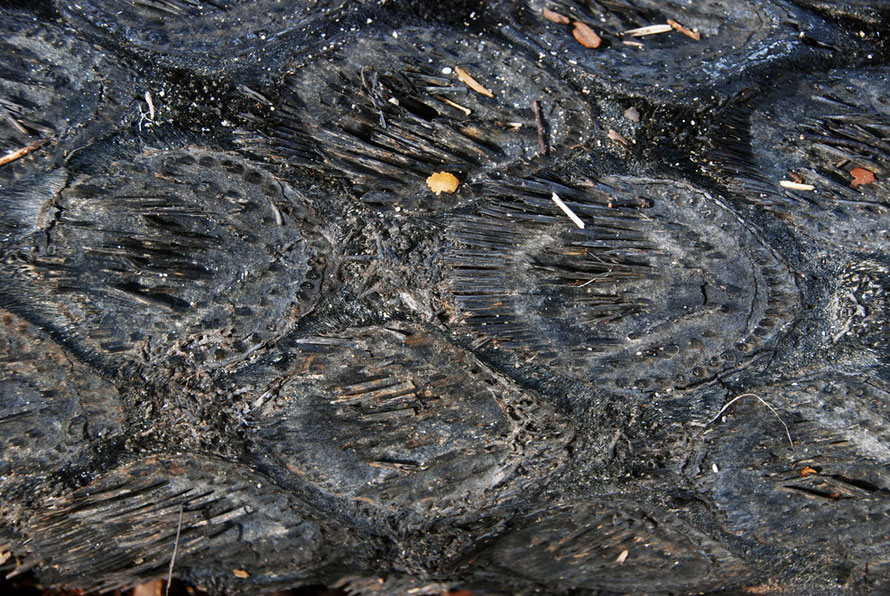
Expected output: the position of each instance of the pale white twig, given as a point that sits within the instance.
(567, 211)
(650, 30)
(151, 105)
(795, 185)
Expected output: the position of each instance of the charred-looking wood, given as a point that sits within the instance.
(171, 263)
(841, 429)
(663, 288)
(56, 90)
(387, 419)
(615, 544)
(124, 523)
(869, 13)
(832, 131)
(53, 410)
(445, 102)
(565, 297)
(216, 36)
(670, 65)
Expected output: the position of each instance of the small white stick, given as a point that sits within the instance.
(650, 30)
(151, 106)
(278, 219)
(795, 185)
(567, 211)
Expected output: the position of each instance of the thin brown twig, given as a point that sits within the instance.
(539, 121)
(20, 153)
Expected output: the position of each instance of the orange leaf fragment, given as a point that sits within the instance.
(443, 182)
(152, 588)
(861, 176)
(684, 30)
(807, 471)
(472, 83)
(555, 17)
(586, 36)
(240, 573)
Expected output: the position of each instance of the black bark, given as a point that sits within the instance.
(232, 310)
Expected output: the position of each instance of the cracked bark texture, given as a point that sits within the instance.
(228, 295)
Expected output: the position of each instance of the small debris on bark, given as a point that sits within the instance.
(20, 153)
(684, 30)
(565, 209)
(472, 83)
(861, 176)
(795, 185)
(650, 30)
(586, 36)
(555, 17)
(614, 135)
(455, 105)
(443, 182)
(808, 471)
(152, 588)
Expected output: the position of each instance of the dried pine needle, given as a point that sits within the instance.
(175, 548)
(684, 30)
(472, 83)
(650, 30)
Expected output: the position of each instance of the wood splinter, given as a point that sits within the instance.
(795, 185)
(472, 83)
(565, 209)
(650, 30)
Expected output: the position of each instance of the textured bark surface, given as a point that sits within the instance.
(235, 320)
